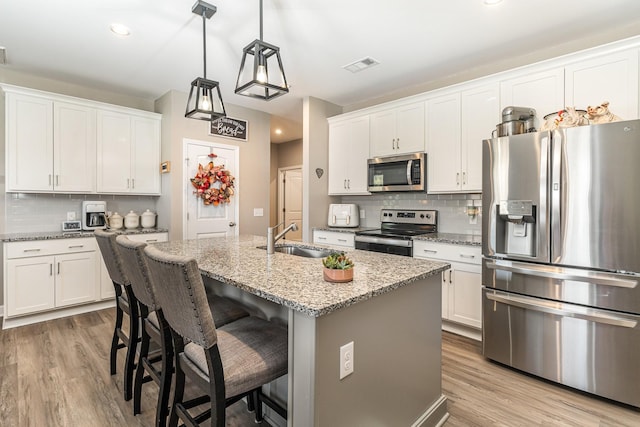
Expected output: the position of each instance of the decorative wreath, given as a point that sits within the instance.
(204, 182)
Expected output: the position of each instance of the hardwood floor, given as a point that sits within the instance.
(56, 373)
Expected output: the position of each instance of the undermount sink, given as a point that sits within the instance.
(301, 251)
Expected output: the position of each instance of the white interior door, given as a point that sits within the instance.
(203, 221)
(290, 200)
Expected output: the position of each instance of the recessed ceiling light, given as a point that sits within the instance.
(492, 2)
(278, 131)
(120, 30)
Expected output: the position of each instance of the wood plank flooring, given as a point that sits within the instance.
(56, 373)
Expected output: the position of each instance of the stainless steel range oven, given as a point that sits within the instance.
(396, 232)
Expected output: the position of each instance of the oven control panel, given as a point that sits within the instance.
(409, 216)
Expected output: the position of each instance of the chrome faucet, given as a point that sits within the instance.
(271, 241)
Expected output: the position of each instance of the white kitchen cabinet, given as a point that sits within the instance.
(107, 290)
(51, 145)
(334, 238)
(543, 91)
(462, 284)
(456, 125)
(443, 144)
(612, 78)
(348, 154)
(49, 274)
(397, 131)
(129, 153)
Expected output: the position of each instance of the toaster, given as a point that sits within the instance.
(343, 215)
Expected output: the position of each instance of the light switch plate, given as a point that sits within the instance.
(258, 212)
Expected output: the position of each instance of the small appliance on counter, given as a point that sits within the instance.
(343, 215)
(94, 215)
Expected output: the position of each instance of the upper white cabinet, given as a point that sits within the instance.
(543, 91)
(397, 131)
(51, 145)
(612, 78)
(443, 144)
(129, 153)
(480, 113)
(456, 125)
(348, 154)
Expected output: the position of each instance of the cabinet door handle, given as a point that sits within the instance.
(348, 184)
(450, 281)
(398, 144)
(467, 256)
(430, 251)
(444, 277)
(345, 184)
(464, 178)
(322, 238)
(31, 250)
(458, 178)
(75, 246)
(50, 269)
(393, 144)
(49, 179)
(151, 240)
(133, 183)
(58, 268)
(127, 182)
(57, 180)
(342, 240)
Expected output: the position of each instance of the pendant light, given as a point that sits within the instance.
(205, 100)
(261, 74)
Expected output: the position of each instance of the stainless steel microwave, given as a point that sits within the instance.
(397, 173)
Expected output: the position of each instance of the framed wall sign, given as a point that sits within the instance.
(229, 127)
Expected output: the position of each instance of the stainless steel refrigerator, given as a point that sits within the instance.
(561, 256)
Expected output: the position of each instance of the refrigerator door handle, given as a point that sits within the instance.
(599, 278)
(560, 309)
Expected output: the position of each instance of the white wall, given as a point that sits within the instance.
(315, 154)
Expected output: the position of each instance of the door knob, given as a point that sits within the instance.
(232, 224)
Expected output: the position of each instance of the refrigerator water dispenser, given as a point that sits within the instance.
(516, 223)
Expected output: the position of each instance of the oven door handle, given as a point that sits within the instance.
(550, 272)
(560, 309)
(384, 241)
(409, 163)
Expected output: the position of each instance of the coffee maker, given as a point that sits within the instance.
(94, 215)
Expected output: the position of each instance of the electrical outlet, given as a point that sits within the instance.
(346, 360)
(71, 216)
(362, 215)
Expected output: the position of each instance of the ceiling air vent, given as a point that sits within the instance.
(3, 55)
(361, 64)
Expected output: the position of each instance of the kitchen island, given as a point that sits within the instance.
(391, 313)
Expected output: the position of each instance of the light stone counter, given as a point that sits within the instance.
(50, 235)
(453, 238)
(296, 282)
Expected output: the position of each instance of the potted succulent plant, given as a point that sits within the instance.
(338, 268)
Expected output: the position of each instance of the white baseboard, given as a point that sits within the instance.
(55, 314)
(465, 331)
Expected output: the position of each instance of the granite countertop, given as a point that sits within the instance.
(49, 235)
(453, 238)
(296, 282)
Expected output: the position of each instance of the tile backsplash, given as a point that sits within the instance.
(25, 212)
(452, 208)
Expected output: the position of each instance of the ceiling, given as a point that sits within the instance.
(415, 41)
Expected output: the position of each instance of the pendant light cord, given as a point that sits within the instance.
(204, 40)
(260, 20)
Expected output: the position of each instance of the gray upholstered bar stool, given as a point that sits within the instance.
(226, 363)
(155, 328)
(124, 297)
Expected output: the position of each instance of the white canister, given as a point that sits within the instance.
(131, 220)
(148, 219)
(116, 221)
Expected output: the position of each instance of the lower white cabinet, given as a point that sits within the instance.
(107, 290)
(335, 238)
(462, 284)
(48, 274)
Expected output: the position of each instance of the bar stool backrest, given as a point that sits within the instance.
(180, 291)
(107, 243)
(134, 263)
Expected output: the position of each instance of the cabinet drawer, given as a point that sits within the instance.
(48, 247)
(149, 237)
(446, 252)
(334, 238)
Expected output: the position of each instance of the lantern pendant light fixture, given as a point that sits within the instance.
(205, 100)
(261, 74)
